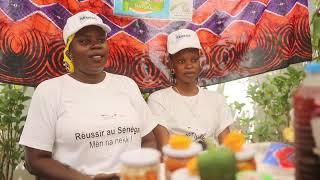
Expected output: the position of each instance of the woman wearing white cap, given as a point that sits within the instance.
(185, 108)
(78, 124)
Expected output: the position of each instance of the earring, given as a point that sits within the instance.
(198, 80)
(172, 77)
(67, 62)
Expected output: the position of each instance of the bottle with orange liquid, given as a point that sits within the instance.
(306, 101)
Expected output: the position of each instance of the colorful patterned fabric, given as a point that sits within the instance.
(240, 38)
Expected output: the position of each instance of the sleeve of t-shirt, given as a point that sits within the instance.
(155, 103)
(147, 118)
(225, 116)
(39, 128)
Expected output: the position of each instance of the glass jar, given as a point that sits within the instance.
(141, 164)
(245, 159)
(178, 158)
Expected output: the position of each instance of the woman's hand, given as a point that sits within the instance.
(113, 176)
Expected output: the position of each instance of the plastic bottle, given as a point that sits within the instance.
(305, 102)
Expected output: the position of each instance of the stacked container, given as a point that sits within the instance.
(306, 103)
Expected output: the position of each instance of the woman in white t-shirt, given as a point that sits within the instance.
(185, 108)
(78, 124)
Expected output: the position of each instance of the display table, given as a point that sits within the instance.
(260, 149)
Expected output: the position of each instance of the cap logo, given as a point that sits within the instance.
(182, 36)
(84, 18)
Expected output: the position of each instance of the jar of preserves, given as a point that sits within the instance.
(246, 159)
(179, 151)
(142, 164)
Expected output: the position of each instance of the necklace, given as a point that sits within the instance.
(191, 103)
(178, 91)
(175, 88)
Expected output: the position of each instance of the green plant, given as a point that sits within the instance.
(271, 99)
(12, 101)
(244, 122)
(315, 30)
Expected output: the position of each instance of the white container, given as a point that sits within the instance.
(142, 164)
(182, 174)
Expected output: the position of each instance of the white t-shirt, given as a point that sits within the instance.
(202, 116)
(87, 126)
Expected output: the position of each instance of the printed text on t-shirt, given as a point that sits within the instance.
(107, 137)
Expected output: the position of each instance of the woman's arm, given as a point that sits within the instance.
(223, 134)
(149, 141)
(41, 164)
(162, 136)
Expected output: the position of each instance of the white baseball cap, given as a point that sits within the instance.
(81, 20)
(182, 39)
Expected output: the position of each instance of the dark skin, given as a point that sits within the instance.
(162, 135)
(186, 65)
(88, 51)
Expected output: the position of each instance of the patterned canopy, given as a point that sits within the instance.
(240, 38)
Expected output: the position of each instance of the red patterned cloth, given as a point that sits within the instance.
(239, 38)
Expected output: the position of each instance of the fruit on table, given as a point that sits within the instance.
(234, 141)
(217, 163)
(288, 134)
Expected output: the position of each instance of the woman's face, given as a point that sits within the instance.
(89, 50)
(186, 65)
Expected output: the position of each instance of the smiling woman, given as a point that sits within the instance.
(78, 124)
(88, 51)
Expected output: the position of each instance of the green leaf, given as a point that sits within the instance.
(11, 122)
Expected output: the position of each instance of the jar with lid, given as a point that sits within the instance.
(142, 164)
(178, 158)
(246, 159)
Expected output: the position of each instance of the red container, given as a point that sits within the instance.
(305, 103)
